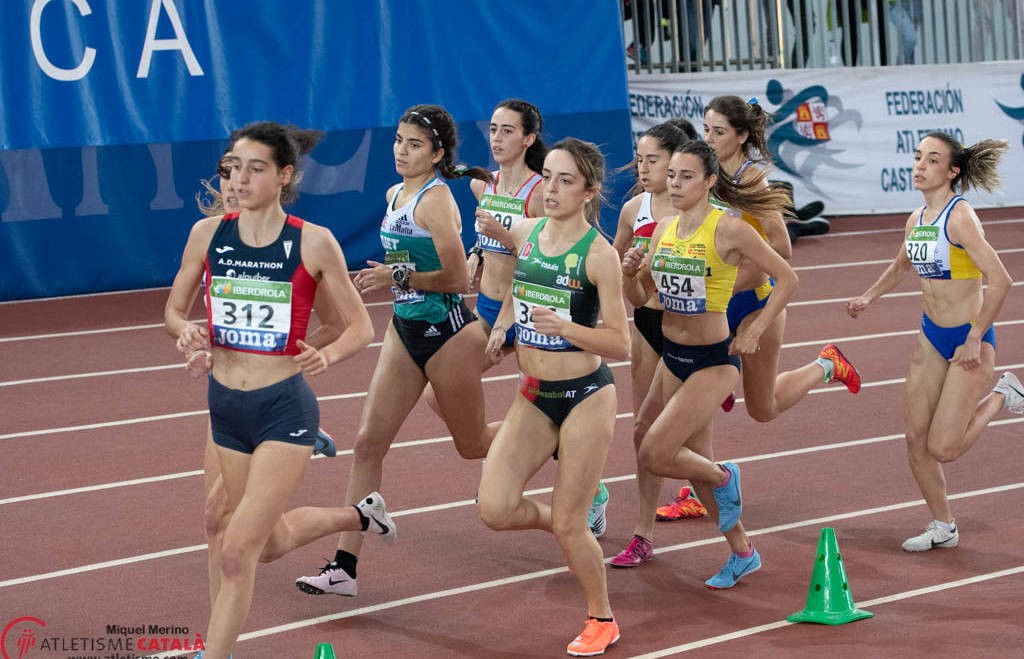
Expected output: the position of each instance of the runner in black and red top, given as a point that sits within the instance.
(263, 268)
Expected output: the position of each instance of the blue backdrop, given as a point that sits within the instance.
(113, 111)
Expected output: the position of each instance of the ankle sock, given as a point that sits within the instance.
(600, 619)
(948, 527)
(346, 561)
(728, 476)
(828, 366)
(748, 553)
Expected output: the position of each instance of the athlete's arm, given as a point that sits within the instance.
(624, 231)
(535, 201)
(964, 229)
(887, 281)
(331, 322)
(324, 259)
(739, 241)
(504, 320)
(636, 268)
(190, 336)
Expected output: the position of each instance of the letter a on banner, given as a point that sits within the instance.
(179, 42)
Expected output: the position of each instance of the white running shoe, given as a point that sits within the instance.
(933, 538)
(1010, 387)
(372, 506)
(331, 580)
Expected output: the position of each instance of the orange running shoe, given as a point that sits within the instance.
(594, 639)
(685, 505)
(843, 370)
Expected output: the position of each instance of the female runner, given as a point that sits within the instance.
(692, 264)
(637, 220)
(945, 407)
(430, 337)
(263, 268)
(216, 202)
(565, 275)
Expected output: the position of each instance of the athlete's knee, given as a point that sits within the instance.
(215, 516)
(495, 512)
(565, 525)
(761, 413)
(272, 551)
(653, 455)
(942, 449)
(369, 448)
(471, 446)
(235, 560)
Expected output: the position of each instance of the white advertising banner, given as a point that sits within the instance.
(847, 136)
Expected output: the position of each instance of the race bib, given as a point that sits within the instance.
(396, 260)
(508, 211)
(525, 298)
(250, 315)
(921, 246)
(680, 283)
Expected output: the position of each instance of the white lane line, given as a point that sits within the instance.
(851, 264)
(698, 543)
(844, 234)
(778, 624)
(497, 583)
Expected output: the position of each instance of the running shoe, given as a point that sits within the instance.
(594, 639)
(596, 519)
(1010, 387)
(733, 569)
(728, 403)
(332, 580)
(372, 506)
(933, 537)
(685, 505)
(812, 227)
(728, 498)
(324, 444)
(843, 370)
(638, 551)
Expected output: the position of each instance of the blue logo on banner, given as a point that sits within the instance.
(795, 134)
(1014, 113)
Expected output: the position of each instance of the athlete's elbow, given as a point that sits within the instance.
(620, 349)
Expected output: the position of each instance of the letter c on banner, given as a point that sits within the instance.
(44, 63)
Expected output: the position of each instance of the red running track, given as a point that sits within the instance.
(101, 499)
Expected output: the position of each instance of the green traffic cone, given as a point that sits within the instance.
(829, 601)
(324, 651)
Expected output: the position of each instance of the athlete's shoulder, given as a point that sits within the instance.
(632, 207)
(392, 191)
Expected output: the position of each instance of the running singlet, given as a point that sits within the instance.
(559, 283)
(507, 210)
(931, 252)
(690, 276)
(258, 299)
(409, 246)
(644, 224)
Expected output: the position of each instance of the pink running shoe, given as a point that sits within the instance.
(640, 550)
(729, 402)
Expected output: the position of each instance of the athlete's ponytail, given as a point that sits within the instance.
(440, 127)
(750, 196)
(977, 163)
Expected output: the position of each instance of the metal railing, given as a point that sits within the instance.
(671, 36)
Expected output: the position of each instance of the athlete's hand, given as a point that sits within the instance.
(495, 343)
(488, 226)
(199, 363)
(745, 344)
(472, 265)
(968, 354)
(310, 360)
(632, 262)
(857, 305)
(193, 338)
(547, 322)
(374, 278)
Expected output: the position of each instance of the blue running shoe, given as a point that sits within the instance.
(324, 444)
(730, 503)
(733, 569)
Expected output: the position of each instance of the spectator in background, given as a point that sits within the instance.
(906, 15)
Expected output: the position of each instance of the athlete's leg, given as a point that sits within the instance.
(258, 489)
(584, 440)
(702, 445)
(215, 512)
(921, 396)
(525, 441)
(648, 401)
(396, 385)
(963, 410)
(454, 371)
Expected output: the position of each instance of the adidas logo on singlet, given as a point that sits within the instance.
(431, 332)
